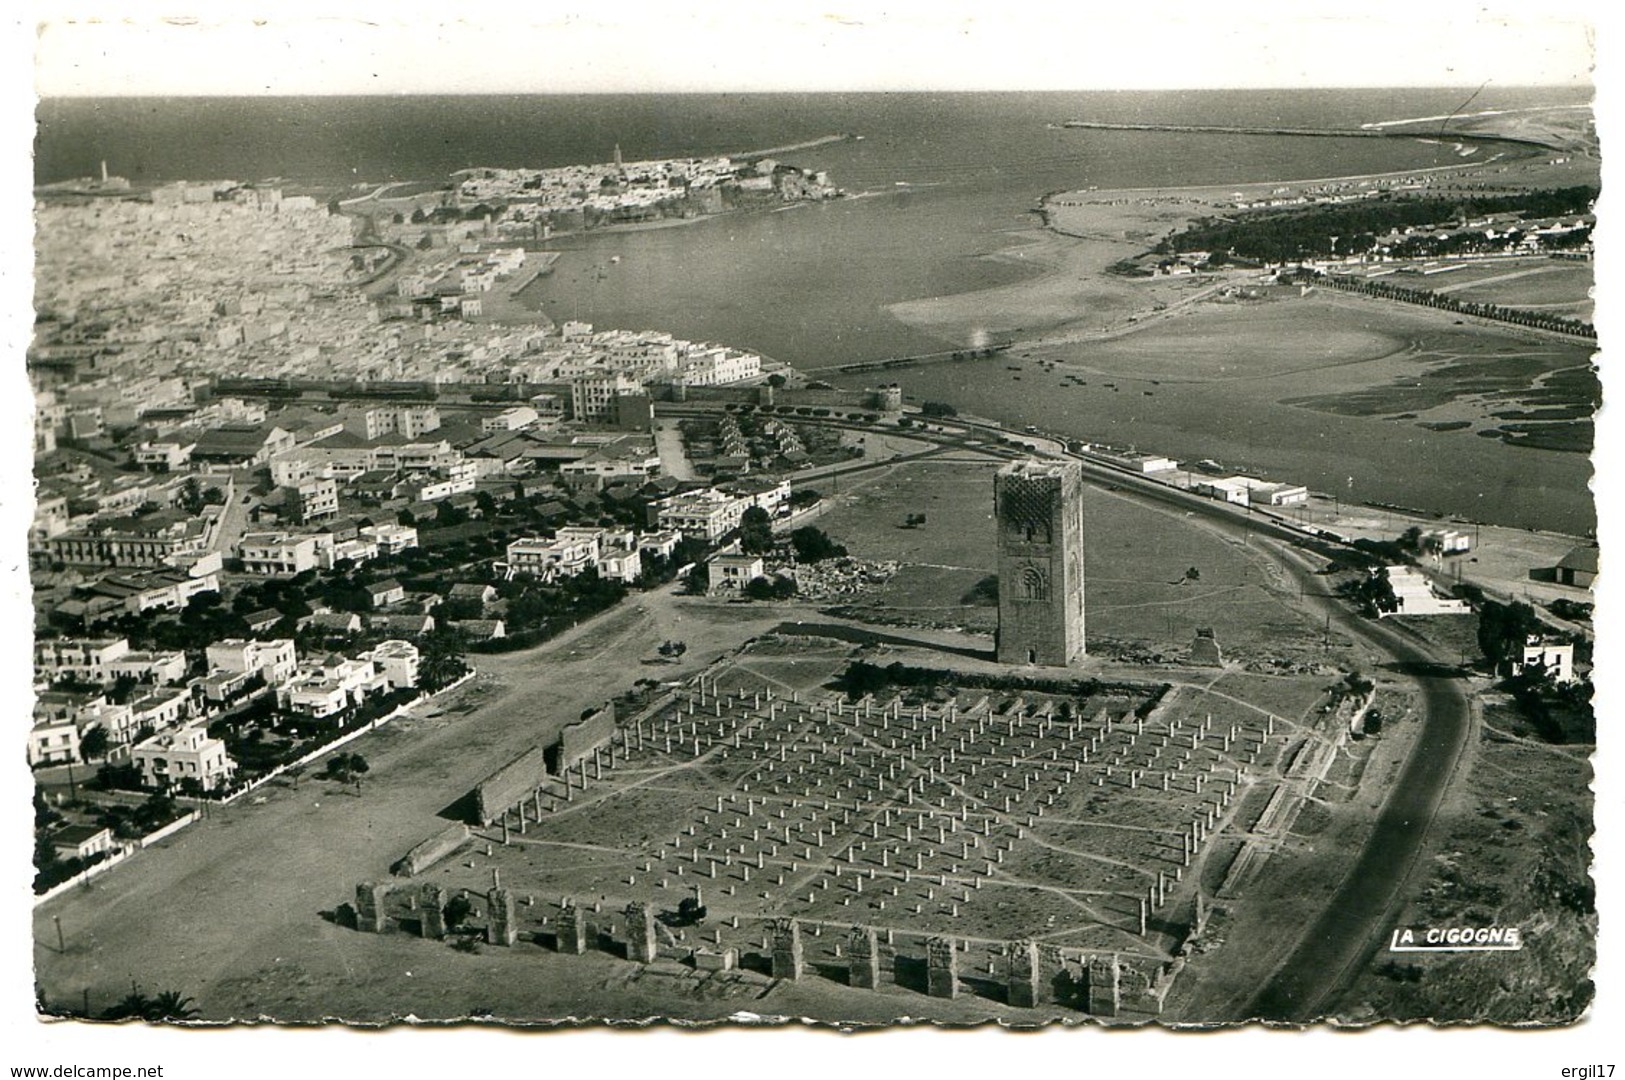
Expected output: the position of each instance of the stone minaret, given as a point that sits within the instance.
(1038, 512)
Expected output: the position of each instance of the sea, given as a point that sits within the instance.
(939, 182)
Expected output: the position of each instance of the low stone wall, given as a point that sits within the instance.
(884, 399)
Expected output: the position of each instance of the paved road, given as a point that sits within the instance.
(234, 515)
(673, 458)
(1358, 915)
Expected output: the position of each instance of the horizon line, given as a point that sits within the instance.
(696, 91)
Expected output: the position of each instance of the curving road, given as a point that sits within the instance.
(1359, 913)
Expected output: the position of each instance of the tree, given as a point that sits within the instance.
(132, 1006)
(811, 544)
(698, 582)
(1375, 594)
(1503, 629)
(440, 660)
(426, 243)
(938, 409)
(50, 868)
(93, 744)
(756, 531)
(159, 810)
(168, 1005)
(456, 609)
(345, 766)
(198, 603)
(770, 588)
(172, 1005)
(191, 496)
(123, 689)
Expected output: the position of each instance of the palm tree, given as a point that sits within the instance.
(135, 1004)
(171, 1005)
(168, 1005)
(441, 661)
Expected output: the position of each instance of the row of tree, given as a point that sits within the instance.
(1538, 320)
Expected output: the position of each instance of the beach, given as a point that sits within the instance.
(1077, 236)
(1364, 398)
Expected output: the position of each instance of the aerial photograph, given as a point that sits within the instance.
(816, 521)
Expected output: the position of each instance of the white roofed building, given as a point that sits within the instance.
(1415, 596)
(188, 753)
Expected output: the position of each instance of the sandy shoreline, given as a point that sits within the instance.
(1086, 232)
(1074, 290)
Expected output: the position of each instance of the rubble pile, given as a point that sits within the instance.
(842, 579)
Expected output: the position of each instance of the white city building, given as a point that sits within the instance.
(278, 554)
(274, 661)
(188, 753)
(396, 661)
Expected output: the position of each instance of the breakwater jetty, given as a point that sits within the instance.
(809, 144)
(1319, 133)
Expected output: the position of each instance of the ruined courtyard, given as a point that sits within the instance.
(1055, 841)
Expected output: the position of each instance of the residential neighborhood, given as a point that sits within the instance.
(230, 574)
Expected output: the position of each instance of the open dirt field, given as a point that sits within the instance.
(1297, 862)
(1257, 341)
(1138, 595)
(1536, 284)
(228, 911)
